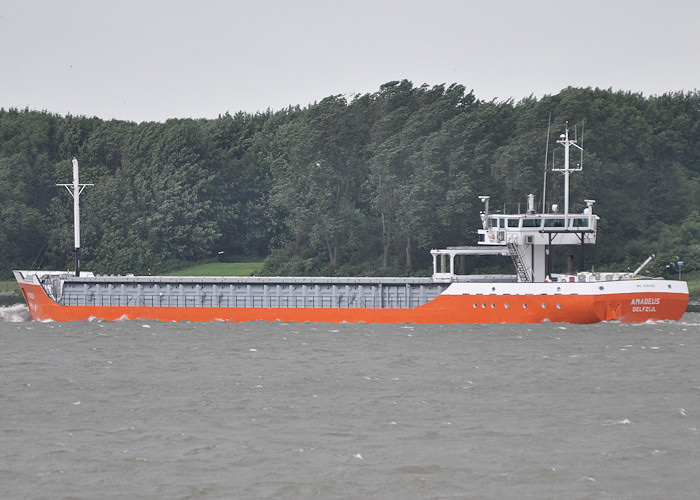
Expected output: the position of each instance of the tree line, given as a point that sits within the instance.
(361, 185)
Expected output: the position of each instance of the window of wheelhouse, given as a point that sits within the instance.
(554, 223)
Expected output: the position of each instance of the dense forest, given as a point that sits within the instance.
(347, 186)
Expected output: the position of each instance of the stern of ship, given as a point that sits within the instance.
(638, 301)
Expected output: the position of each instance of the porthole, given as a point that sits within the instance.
(544, 306)
(493, 305)
(474, 305)
(483, 305)
(524, 305)
(506, 305)
(558, 306)
(601, 287)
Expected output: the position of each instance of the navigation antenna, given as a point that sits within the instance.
(546, 153)
(583, 125)
(75, 189)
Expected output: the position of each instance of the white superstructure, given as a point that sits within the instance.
(527, 237)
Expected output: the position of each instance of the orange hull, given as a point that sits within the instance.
(445, 309)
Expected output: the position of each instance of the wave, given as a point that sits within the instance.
(14, 313)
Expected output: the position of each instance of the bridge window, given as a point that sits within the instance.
(494, 222)
(554, 223)
(513, 222)
(579, 223)
(531, 222)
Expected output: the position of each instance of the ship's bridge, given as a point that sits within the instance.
(539, 229)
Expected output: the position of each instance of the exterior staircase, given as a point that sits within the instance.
(518, 261)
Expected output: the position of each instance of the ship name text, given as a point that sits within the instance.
(645, 305)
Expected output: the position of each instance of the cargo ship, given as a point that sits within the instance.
(534, 294)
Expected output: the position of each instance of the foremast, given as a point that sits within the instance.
(75, 189)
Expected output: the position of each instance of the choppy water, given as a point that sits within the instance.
(258, 410)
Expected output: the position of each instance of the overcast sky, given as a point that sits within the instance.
(150, 60)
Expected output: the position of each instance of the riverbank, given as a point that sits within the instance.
(9, 287)
(10, 293)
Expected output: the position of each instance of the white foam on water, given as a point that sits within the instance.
(15, 313)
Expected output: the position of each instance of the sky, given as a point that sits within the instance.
(151, 60)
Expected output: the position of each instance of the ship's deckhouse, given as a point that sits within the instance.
(528, 237)
(540, 229)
